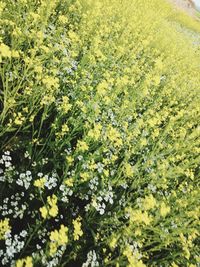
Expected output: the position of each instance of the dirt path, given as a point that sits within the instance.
(186, 6)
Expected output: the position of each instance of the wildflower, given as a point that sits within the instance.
(40, 183)
(65, 106)
(50, 82)
(82, 146)
(133, 260)
(62, 19)
(26, 262)
(73, 36)
(47, 99)
(149, 202)
(5, 51)
(113, 242)
(69, 159)
(95, 132)
(58, 238)
(128, 170)
(19, 119)
(38, 69)
(4, 228)
(69, 182)
(15, 54)
(51, 208)
(164, 209)
(140, 217)
(77, 228)
(84, 176)
(102, 88)
(114, 136)
(44, 212)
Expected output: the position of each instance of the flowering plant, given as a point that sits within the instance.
(99, 133)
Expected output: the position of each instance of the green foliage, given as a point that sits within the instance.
(99, 135)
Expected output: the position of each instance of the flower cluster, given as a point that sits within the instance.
(99, 134)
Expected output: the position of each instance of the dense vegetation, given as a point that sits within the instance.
(99, 135)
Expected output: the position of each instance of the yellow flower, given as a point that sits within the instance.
(38, 69)
(113, 242)
(47, 100)
(51, 82)
(143, 142)
(19, 119)
(73, 36)
(26, 262)
(102, 88)
(69, 159)
(44, 212)
(95, 133)
(77, 228)
(69, 182)
(133, 259)
(15, 54)
(82, 146)
(114, 136)
(149, 202)
(4, 228)
(84, 176)
(5, 51)
(140, 217)
(51, 209)
(128, 170)
(63, 19)
(40, 183)
(52, 248)
(164, 209)
(58, 238)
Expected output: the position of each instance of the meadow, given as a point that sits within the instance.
(99, 134)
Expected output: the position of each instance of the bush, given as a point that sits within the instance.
(99, 135)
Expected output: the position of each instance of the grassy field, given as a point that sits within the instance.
(99, 134)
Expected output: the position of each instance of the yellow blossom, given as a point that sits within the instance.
(15, 54)
(69, 159)
(58, 238)
(26, 262)
(63, 19)
(4, 228)
(50, 82)
(44, 212)
(95, 132)
(40, 182)
(102, 88)
(69, 182)
(51, 209)
(5, 51)
(65, 106)
(128, 170)
(149, 202)
(113, 242)
(164, 209)
(133, 259)
(82, 146)
(77, 228)
(84, 176)
(140, 217)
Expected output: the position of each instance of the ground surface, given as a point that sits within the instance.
(185, 6)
